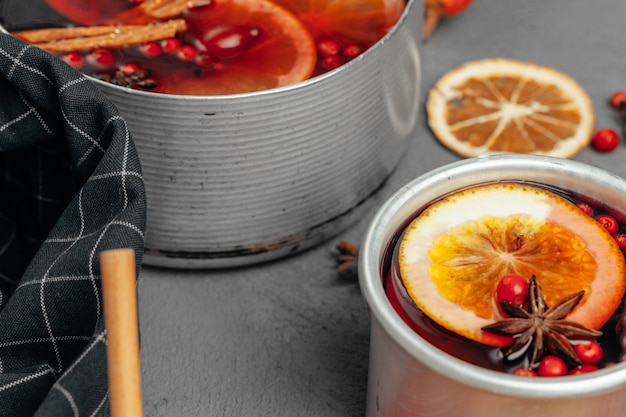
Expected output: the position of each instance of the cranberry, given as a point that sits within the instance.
(327, 47)
(512, 289)
(524, 372)
(186, 53)
(73, 59)
(583, 369)
(552, 366)
(605, 140)
(129, 68)
(589, 352)
(101, 58)
(608, 222)
(170, 46)
(151, 49)
(618, 99)
(203, 59)
(620, 238)
(586, 208)
(331, 62)
(352, 51)
(137, 2)
(229, 41)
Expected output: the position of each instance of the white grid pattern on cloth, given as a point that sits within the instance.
(56, 353)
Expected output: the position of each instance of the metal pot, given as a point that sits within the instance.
(239, 179)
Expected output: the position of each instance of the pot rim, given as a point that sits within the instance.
(392, 216)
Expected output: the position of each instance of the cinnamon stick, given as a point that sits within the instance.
(164, 9)
(82, 38)
(119, 296)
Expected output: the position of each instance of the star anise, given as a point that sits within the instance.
(348, 260)
(542, 328)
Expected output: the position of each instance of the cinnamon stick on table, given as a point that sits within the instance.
(119, 296)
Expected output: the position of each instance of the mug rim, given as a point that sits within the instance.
(392, 216)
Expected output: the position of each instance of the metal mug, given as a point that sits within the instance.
(410, 377)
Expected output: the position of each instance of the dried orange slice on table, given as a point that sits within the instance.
(506, 106)
(452, 256)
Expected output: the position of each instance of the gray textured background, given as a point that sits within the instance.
(290, 339)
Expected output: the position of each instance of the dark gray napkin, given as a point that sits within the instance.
(70, 187)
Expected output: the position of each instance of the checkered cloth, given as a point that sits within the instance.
(70, 187)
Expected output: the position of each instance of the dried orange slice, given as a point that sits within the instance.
(506, 106)
(453, 254)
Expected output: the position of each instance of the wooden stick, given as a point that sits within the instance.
(119, 294)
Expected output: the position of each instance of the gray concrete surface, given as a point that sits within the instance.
(289, 338)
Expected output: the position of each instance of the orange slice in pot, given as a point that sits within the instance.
(453, 254)
(505, 106)
(347, 20)
(350, 23)
(284, 53)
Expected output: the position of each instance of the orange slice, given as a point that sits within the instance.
(284, 54)
(453, 254)
(505, 106)
(89, 12)
(347, 21)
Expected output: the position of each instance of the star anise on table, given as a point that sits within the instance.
(348, 260)
(542, 328)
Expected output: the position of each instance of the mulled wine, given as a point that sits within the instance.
(205, 47)
(494, 356)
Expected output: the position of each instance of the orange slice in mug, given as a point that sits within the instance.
(505, 106)
(453, 254)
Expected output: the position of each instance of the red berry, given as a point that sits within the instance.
(74, 59)
(327, 47)
(583, 369)
(170, 46)
(608, 222)
(590, 352)
(605, 140)
(524, 372)
(202, 59)
(151, 49)
(586, 208)
(620, 238)
(187, 53)
(101, 58)
(618, 99)
(552, 366)
(512, 289)
(136, 2)
(129, 68)
(331, 62)
(352, 51)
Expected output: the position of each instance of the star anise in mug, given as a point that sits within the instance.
(542, 328)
